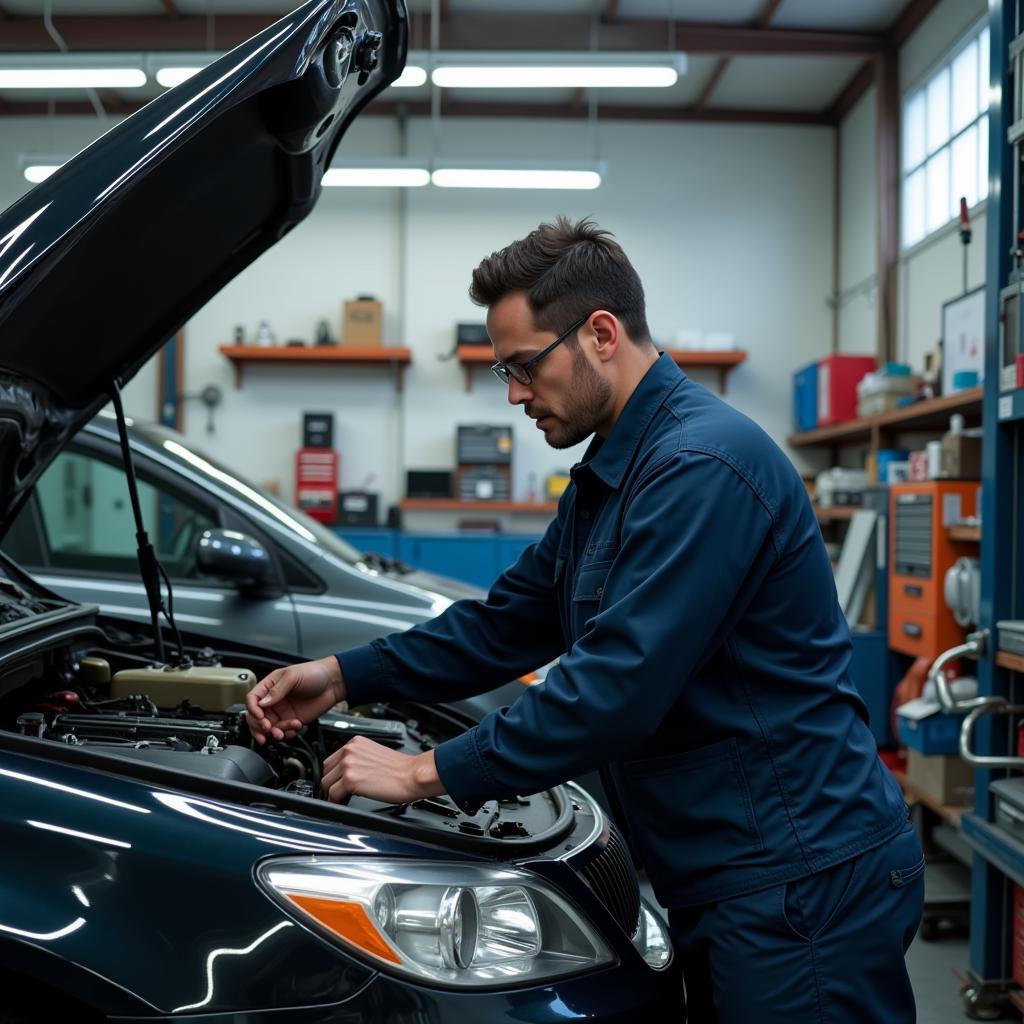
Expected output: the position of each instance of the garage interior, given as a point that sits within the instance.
(823, 202)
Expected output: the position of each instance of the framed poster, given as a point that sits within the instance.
(963, 336)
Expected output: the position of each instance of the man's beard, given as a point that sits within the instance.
(586, 406)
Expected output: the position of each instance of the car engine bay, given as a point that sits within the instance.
(117, 701)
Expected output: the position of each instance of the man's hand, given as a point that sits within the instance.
(284, 701)
(372, 770)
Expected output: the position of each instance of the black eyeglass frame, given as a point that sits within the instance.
(504, 371)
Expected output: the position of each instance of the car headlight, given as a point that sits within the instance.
(651, 939)
(452, 923)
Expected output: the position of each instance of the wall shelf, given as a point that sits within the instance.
(930, 414)
(836, 514)
(1014, 662)
(965, 533)
(471, 356)
(379, 355)
(996, 845)
(723, 362)
(453, 505)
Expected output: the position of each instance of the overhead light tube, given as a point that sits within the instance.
(525, 76)
(170, 77)
(516, 177)
(573, 69)
(411, 77)
(71, 78)
(36, 173)
(384, 173)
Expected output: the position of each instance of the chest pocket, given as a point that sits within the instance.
(588, 594)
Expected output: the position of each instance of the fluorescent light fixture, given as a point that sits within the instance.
(39, 172)
(71, 78)
(574, 70)
(170, 77)
(551, 77)
(383, 172)
(37, 167)
(71, 71)
(172, 68)
(410, 78)
(517, 177)
(376, 177)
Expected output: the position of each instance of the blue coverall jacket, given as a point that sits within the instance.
(704, 658)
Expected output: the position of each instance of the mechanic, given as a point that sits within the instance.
(704, 664)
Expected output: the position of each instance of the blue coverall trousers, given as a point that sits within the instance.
(826, 949)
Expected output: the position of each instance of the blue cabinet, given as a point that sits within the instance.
(473, 558)
(875, 671)
(384, 542)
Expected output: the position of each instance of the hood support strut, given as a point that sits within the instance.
(149, 567)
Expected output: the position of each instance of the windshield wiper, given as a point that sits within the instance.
(382, 563)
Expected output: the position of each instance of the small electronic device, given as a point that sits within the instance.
(428, 483)
(484, 444)
(471, 334)
(484, 483)
(357, 508)
(318, 430)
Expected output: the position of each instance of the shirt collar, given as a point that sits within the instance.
(609, 458)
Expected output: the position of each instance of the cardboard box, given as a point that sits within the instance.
(361, 323)
(961, 457)
(948, 779)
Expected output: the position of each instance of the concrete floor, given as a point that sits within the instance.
(936, 986)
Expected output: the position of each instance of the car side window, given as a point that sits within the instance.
(87, 523)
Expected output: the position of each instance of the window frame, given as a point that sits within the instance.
(919, 91)
(159, 483)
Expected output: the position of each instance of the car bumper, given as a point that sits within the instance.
(616, 996)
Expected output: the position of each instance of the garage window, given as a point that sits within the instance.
(945, 140)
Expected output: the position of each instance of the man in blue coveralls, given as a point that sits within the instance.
(703, 662)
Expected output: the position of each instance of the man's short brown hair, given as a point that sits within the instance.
(567, 271)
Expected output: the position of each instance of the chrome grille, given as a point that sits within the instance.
(612, 878)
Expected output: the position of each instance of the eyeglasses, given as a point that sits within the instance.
(520, 372)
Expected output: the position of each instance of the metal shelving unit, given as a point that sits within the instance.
(997, 855)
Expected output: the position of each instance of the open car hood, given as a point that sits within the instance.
(106, 259)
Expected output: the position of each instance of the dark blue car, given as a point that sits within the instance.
(156, 866)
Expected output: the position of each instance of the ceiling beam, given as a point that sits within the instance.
(763, 20)
(131, 32)
(709, 86)
(454, 108)
(912, 15)
(862, 80)
(484, 31)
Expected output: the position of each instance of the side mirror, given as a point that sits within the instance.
(230, 555)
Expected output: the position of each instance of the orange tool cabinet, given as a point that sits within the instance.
(920, 552)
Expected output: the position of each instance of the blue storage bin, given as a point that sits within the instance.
(938, 733)
(805, 398)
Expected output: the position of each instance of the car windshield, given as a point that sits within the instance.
(292, 518)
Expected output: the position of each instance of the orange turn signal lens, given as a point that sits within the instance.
(349, 921)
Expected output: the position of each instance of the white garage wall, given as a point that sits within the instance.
(932, 272)
(858, 236)
(728, 225)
